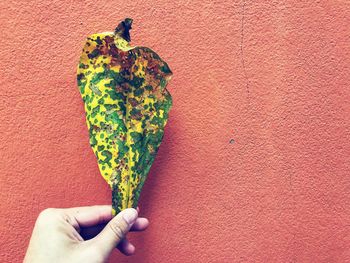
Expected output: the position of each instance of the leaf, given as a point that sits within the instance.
(127, 105)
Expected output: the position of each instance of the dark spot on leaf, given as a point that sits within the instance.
(94, 53)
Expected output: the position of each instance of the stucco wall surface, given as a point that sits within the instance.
(254, 166)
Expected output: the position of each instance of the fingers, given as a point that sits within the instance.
(140, 224)
(91, 215)
(90, 232)
(115, 231)
(126, 247)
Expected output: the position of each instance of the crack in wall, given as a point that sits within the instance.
(242, 48)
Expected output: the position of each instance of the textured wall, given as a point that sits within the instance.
(254, 166)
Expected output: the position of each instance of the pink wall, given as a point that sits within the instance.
(272, 77)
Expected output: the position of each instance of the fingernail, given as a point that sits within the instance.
(130, 215)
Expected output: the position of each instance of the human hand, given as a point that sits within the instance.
(82, 234)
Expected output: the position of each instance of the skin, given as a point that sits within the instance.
(82, 234)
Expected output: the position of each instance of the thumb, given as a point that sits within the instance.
(115, 231)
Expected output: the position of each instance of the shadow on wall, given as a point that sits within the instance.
(150, 192)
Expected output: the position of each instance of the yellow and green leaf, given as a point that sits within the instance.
(127, 105)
